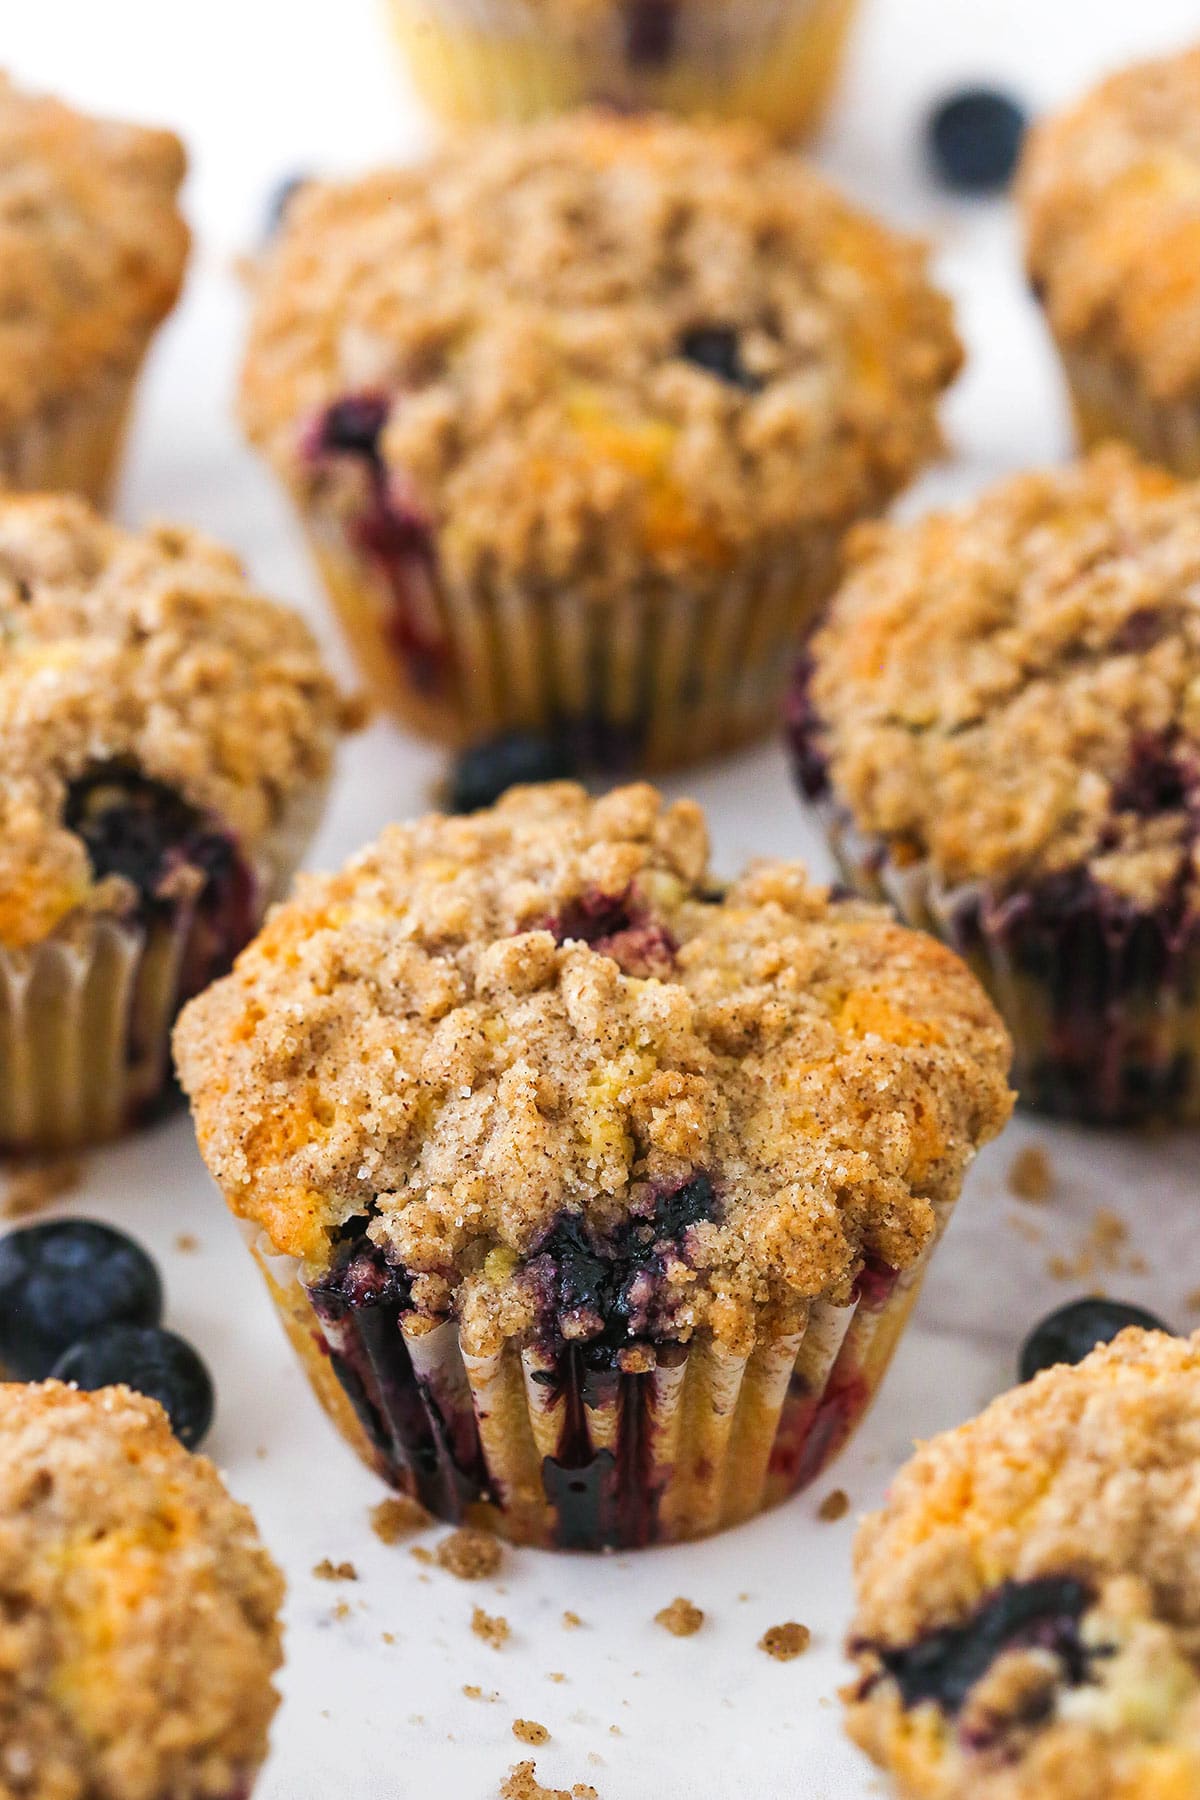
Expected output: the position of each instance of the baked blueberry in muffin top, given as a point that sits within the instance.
(1030, 1594)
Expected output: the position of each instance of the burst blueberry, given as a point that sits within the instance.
(142, 830)
(1069, 1334)
(64, 1280)
(515, 758)
(153, 1362)
(717, 349)
(975, 139)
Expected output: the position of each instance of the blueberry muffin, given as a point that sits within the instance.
(166, 737)
(1029, 1598)
(92, 249)
(595, 1197)
(1111, 197)
(1000, 726)
(515, 59)
(577, 414)
(140, 1610)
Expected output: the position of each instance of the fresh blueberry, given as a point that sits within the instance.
(974, 140)
(717, 350)
(278, 202)
(486, 770)
(945, 1665)
(152, 1362)
(1070, 1333)
(63, 1280)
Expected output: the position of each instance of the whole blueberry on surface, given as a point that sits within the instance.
(485, 771)
(1067, 1335)
(152, 1361)
(63, 1280)
(975, 139)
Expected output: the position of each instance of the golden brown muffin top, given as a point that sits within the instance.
(522, 302)
(138, 1608)
(1087, 1478)
(1013, 689)
(1111, 197)
(92, 245)
(144, 649)
(483, 1026)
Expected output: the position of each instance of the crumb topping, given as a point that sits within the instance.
(493, 1628)
(490, 1034)
(138, 1608)
(834, 1506)
(530, 1732)
(1031, 1175)
(540, 310)
(1013, 690)
(92, 246)
(1088, 1478)
(144, 649)
(398, 1517)
(521, 1783)
(1111, 196)
(681, 1618)
(787, 1641)
(469, 1554)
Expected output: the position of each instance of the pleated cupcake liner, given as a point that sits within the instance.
(483, 60)
(654, 679)
(1109, 402)
(86, 1014)
(549, 1451)
(72, 444)
(1105, 1025)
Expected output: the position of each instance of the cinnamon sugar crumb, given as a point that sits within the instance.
(556, 1675)
(1030, 1175)
(331, 1571)
(681, 1618)
(341, 1610)
(785, 1642)
(187, 1243)
(571, 1621)
(471, 1555)
(492, 1628)
(389, 1637)
(529, 1731)
(420, 1554)
(33, 1185)
(473, 1692)
(834, 1506)
(521, 1783)
(397, 1517)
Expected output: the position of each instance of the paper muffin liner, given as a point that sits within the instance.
(74, 444)
(652, 679)
(484, 60)
(1108, 402)
(1104, 1016)
(86, 1014)
(548, 1451)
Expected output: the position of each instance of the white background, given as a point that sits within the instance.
(262, 88)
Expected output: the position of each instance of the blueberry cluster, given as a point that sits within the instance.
(81, 1302)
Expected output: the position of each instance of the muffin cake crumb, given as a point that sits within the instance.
(834, 1506)
(522, 1783)
(681, 1618)
(1031, 1175)
(398, 1517)
(492, 1628)
(469, 1554)
(529, 1731)
(326, 1570)
(785, 1642)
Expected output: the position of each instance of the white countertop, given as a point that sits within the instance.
(262, 88)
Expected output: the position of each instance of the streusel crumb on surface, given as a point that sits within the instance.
(483, 1024)
(1086, 1480)
(92, 246)
(1111, 195)
(147, 649)
(139, 1608)
(522, 303)
(1013, 690)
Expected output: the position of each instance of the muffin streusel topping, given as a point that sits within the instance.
(600, 342)
(92, 245)
(1014, 690)
(138, 1628)
(1111, 195)
(149, 650)
(1069, 1505)
(484, 1026)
